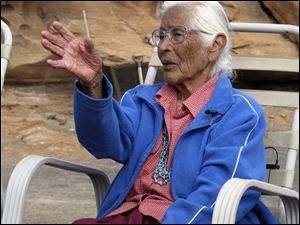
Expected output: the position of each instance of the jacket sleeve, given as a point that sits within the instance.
(234, 149)
(105, 127)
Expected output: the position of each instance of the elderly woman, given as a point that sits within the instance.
(179, 141)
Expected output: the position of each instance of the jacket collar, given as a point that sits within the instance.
(222, 96)
(221, 99)
(148, 92)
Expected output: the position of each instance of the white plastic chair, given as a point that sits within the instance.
(5, 55)
(13, 201)
(5, 50)
(229, 196)
(280, 180)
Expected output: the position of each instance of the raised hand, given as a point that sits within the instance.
(77, 57)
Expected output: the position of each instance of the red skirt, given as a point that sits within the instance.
(132, 216)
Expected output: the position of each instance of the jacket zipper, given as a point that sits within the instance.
(117, 203)
(215, 119)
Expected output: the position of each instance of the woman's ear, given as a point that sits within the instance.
(215, 49)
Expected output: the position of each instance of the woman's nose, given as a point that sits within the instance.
(165, 44)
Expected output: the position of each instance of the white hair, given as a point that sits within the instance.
(210, 17)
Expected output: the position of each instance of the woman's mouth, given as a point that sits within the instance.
(169, 65)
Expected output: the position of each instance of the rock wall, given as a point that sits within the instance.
(285, 12)
(119, 30)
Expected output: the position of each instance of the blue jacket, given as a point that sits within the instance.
(212, 150)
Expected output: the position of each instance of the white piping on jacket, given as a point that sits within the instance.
(240, 151)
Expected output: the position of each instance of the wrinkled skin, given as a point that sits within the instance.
(77, 57)
(191, 61)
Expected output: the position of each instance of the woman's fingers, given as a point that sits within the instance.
(58, 64)
(54, 39)
(76, 57)
(53, 48)
(65, 33)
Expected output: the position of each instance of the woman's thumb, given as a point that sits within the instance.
(89, 45)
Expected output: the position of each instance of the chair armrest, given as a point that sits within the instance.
(232, 191)
(21, 177)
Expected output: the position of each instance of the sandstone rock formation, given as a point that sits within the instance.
(285, 12)
(118, 30)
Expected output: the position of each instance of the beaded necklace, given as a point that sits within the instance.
(161, 174)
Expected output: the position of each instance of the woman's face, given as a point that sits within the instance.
(184, 61)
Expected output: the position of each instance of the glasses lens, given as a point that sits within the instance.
(177, 35)
(157, 36)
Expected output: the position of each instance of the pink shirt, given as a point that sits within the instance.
(151, 198)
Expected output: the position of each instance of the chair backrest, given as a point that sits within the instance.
(5, 55)
(278, 139)
(5, 50)
(286, 141)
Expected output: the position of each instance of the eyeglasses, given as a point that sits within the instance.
(176, 35)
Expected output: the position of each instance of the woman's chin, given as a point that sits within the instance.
(171, 77)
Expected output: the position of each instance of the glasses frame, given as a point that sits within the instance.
(185, 30)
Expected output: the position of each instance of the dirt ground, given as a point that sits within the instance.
(38, 119)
